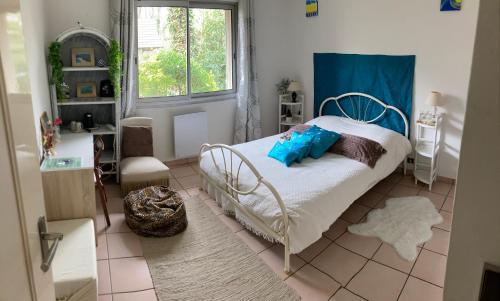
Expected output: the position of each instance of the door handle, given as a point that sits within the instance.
(48, 252)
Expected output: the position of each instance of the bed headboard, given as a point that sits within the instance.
(364, 108)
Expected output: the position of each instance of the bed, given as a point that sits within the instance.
(295, 205)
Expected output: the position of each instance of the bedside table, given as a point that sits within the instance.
(296, 109)
(427, 147)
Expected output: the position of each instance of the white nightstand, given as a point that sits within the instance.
(428, 145)
(296, 109)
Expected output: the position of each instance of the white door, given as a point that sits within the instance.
(21, 195)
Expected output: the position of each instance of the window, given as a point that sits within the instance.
(184, 52)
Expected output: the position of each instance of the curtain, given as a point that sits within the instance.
(248, 125)
(122, 17)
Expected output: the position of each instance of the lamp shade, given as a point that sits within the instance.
(294, 87)
(434, 99)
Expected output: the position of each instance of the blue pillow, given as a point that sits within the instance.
(322, 140)
(302, 144)
(284, 153)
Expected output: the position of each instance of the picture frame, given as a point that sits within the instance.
(86, 90)
(82, 57)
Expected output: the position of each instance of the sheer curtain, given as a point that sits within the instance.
(122, 17)
(248, 125)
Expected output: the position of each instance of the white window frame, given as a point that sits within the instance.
(190, 98)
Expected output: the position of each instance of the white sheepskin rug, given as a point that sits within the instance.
(404, 223)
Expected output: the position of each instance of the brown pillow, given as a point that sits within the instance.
(358, 148)
(299, 128)
(137, 141)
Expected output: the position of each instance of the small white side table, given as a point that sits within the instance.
(428, 145)
(295, 108)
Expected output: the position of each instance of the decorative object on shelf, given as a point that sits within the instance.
(115, 57)
(288, 117)
(426, 118)
(57, 76)
(282, 86)
(82, 57)
(76, 126)
(88, 121)
(427, 148)
(106, 88)
(451, 5)
(434, 100)
(50, 134)
(66, 90)
(312, 8)
(294, 87)
(101, 62)
(86, 90)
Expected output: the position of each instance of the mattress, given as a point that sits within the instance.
(74, 267)
(315, 192)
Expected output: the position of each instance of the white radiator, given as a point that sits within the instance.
(190, 131)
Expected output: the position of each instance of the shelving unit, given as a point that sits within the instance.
(105, 110)
(427, 148)
(296, 109)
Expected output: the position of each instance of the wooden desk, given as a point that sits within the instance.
(70, 192)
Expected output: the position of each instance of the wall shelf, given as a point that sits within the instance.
(87, 101)
(84, 69)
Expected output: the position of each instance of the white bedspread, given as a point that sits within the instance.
(315, 192)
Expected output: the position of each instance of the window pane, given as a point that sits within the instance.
(211, 50)
(162, 51)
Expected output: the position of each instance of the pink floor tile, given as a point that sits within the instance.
(383, 187)
(376, 282)
(447, 220)
(182, 171)
(197, 192)
(313, 250)
(388, 256)
(395, 177)
(130, 274)
(448, 204)
(215, 208)
(190, 181)
(257, 244)
(440, 241)
(441, 187)
(273, 257)
(122, 245)
(118, 224)
(115, 205)
(105, 298)
(362, 245)
(100, 224)
(418, 290)
(103, 277)
(174, 185)
(436, 199)
(312, 284)
(430, 267)
(370, 199)
(452, 191)
(337, 229)
(102, 247)
(148, 295)
(408, 180)
(230, 222)
(339, 263)
(355, 213)
(345, 295)
(402, 191)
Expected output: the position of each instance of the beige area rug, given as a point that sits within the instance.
(209, 262)
(403, 223)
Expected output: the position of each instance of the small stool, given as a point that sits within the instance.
(155, 211)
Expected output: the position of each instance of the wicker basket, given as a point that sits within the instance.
(155, 211)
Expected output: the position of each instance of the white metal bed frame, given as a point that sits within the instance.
(233, 161)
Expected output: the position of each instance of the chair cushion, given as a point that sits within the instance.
(74, 267)
(137, 141)
(138, 169)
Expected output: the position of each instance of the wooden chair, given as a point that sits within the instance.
(98, 149)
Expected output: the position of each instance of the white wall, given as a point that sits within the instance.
(475, 236)
(35, 36)
(441, 41)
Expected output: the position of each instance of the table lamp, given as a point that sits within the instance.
(294, 87)
(434, 100)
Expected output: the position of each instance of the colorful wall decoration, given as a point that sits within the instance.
(450, 5)
(312, 8)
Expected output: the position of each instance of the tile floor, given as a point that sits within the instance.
(340, 266)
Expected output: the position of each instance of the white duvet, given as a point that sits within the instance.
(315, 192)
